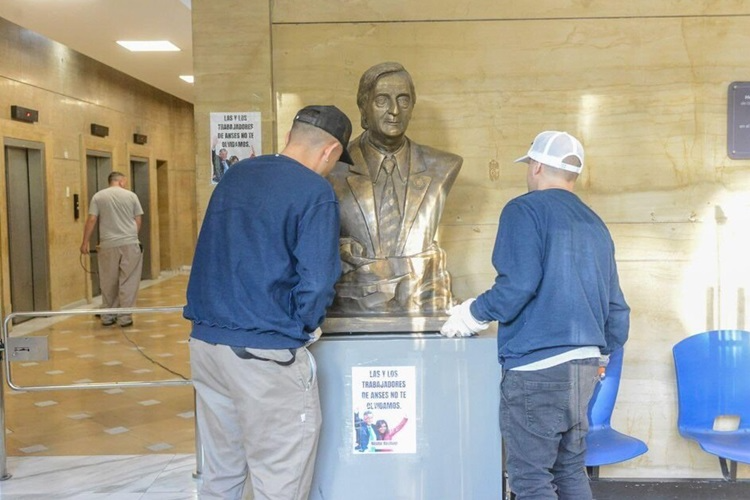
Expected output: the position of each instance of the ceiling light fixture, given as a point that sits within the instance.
(187, 78)
(149, 46)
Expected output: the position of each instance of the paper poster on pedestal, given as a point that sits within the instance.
(384, 409)
(234, 137)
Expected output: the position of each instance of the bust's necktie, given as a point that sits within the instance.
(389, 217)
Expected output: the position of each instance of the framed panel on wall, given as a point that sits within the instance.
(738, 120)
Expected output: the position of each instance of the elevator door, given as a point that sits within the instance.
(27, 227)
(139, 183)
(162, 207)
(98, 168)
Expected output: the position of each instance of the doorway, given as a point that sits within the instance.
(162, 191)
(98, 168)
(140, 184)
(27, 227)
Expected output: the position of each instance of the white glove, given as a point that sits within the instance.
(461, 323)
(314, 336)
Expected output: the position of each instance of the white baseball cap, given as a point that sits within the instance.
(552, 147)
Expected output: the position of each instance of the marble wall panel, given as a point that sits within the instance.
(232, 67)
(648, 123)
(645, 91)
(306, 11)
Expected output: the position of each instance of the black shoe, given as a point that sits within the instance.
(125, 325)
(108, 322)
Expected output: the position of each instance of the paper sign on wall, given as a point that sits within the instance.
(234, 137)
(384, 409)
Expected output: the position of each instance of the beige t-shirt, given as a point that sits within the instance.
(116, 209)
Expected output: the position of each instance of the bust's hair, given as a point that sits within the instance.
(371, 77)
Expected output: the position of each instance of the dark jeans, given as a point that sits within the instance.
(544, 426)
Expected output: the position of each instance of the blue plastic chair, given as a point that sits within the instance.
(713, 380)
(604, 445)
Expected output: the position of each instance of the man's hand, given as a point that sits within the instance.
(461, 322)
(85, 248)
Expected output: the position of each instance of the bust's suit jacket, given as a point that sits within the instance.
(431, 175)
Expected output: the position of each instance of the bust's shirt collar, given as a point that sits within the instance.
(374, 158)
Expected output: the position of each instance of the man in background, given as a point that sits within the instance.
(118, 212)
(262, 276)
(219, 162)
(559, 306)
(364, 430)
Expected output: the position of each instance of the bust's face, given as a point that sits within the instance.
(388, 109)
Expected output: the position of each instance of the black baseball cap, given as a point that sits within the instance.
(332, 120)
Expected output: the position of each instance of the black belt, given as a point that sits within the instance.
(241, 352)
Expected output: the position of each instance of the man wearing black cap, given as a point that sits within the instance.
(263, 274)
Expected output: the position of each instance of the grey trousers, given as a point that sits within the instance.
(256, 417)
(119, 278)
(544, 424)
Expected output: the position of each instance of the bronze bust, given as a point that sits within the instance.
(391, 201)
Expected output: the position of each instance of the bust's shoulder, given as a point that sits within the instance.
(436, 158)
(341, 170)
(436, 153)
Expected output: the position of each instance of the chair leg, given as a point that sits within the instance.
(593, 472)
(507, 494)
(729, 473)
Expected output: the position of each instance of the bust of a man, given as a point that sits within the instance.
(391, 201)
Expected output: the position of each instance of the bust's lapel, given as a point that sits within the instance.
(361, 187)
(415, 193)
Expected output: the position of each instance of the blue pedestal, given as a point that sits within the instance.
(455, 426)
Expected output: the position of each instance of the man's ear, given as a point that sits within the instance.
(330, 150)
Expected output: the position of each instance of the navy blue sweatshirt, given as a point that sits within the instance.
(557, 286)
(267, 256)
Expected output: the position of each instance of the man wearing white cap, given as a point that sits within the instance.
(559, 306)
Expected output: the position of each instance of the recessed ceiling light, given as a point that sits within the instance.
(149, 46)
(187, 78)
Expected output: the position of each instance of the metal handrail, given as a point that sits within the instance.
(81, 386)
(93, 385)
